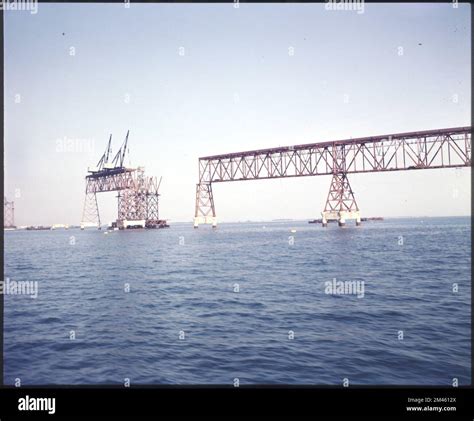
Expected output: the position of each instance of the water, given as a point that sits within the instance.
(184, 281)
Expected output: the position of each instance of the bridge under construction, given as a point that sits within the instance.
(429, 149)
(137, 193)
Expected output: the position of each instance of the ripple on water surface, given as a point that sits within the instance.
(242, 302)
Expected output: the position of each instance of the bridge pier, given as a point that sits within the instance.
(340, 204)
(205, 220)
(205, 212)
(342, 221)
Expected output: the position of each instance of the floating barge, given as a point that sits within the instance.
(320, 221)
(138, 224)
(38, 228)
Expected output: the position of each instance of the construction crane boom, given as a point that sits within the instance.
(120, 155)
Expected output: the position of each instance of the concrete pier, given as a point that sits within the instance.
(341, 217)
(205, 220)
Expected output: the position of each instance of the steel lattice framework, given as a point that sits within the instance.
(8, 213)
(152, 199)
(140, 200)
(106, 181)
(444, 148)
(137, 194)
(205, 211)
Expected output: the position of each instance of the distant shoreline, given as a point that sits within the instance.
(272, 221)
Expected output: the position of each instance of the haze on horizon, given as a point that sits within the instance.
(191, 80)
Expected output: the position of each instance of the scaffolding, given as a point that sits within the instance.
(137, 194)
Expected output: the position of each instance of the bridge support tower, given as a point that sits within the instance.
(340, 204)
(8, 213)
(90, 212)
(205, 212)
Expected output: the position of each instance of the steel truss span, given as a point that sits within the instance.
(443, 148)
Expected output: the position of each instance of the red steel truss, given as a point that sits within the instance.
(114, 180)
(340, 200)
(417, 150)
(204, 211)
(444, 148)
(105, 180)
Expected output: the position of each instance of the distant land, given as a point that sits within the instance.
(73, 226)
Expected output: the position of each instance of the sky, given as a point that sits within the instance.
(192, 80)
